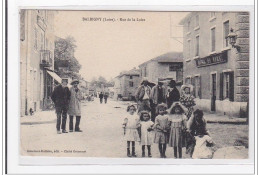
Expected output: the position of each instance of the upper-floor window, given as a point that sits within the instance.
(197, 46)
(35, 39)
(131, 77)
(188, 26)
(189, 49)
(42, 41)
(213, 39)
(197, 21)
(212, 14)
(225, 33)
(131, 84)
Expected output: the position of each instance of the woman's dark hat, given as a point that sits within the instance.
(172, 83)
(74, 81)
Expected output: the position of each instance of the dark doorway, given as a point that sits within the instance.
(213, 90)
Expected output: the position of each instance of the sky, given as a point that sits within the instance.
(105, 48)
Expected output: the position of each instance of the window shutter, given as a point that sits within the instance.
(199, 88)
(221, 88)
(193, 84)
(231, 86)
(22, 25)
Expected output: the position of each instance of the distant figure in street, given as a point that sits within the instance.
(105, 97)
(142, 96)
(158, 96)
(61, 97)
(173, 95)
(75, 106)
(130, 125)
(101, 97)
(146, 135)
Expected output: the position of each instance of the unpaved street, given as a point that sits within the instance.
(102, 134)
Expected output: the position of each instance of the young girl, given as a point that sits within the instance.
(161, 129)
(146, 135)
(187, 99)
(130, 125)
(203, 148)
(177, 123)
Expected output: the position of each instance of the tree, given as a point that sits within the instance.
(64, 61)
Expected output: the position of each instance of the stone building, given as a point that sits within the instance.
(218, 71)
(36, 59)
(169, 65)
(127, 83)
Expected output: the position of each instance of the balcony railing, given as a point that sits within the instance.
(46, 60)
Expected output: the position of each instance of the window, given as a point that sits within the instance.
(227, 83)
(47, 44)
(213, 39)
(197, 21)
(197, 46)
(131, 84)
(35, 39)
(22, 25)
(225, 33)
(42, 42)
(131, 77)
(188, 80)
(212, 14)
(189, 51)
(188, 26)
(197, 86)
(172, 68)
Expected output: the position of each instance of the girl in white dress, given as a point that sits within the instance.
(146, 135)
(130, 125)
(203, 148)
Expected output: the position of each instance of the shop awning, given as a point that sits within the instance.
(55, 76)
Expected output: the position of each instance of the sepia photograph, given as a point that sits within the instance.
(134, 84)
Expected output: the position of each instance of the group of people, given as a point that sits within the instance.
(170, 116)
(101, 96)
(67, 101)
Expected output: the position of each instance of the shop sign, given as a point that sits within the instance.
(212, 59)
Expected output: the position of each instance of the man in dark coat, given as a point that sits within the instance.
(101, 97)
(173, 94)
(61, 97)
(158, 96)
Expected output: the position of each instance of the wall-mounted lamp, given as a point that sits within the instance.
(232, 37)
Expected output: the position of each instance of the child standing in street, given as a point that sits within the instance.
(161, 129)
(177, 123)
(146, 135)
(130, 125)
(203, 148)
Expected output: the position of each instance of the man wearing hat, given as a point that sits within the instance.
(61, 97)
(158, 96)
(75, 106)
(142, 96)
(173, 94)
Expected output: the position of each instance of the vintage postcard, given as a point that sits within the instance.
(135, 84)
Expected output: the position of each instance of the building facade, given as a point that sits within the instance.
(169, 65)
(218, 72)
(36, 59)
(127, 83)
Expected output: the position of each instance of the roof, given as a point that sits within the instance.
(130, 72)
(186, 18)
(170, 57)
